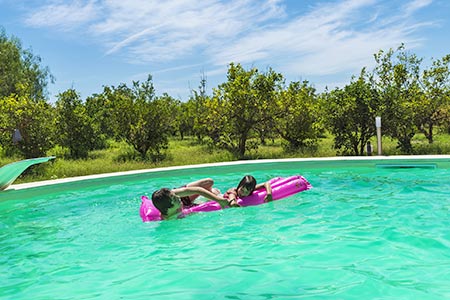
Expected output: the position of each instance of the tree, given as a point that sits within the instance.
(186, 119)
(297, 120)
(100, 111)
(267, 87)
(397, 79)
(121, 110)
(432, 109)
(73, 124)
(23, 83)
(33, 119)
(238, 107)
(146, 135)
(21, 72)
(349, 115)
(137, 116)
(214, 120)
(153, 123)
(197, 109)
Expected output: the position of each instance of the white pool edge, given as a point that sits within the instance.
(230, 163)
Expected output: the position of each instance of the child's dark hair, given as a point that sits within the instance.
(161, 200)
(249, 182)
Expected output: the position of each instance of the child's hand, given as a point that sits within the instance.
(233, 203)
(268, 198)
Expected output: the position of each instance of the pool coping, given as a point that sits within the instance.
(229, 163)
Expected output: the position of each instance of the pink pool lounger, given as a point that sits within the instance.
(281, 188)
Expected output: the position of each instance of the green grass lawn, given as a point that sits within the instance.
(189, 152)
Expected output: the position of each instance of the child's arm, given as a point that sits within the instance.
(268, 188)
(196, 190)
(232, 197)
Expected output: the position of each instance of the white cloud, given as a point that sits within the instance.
(177, 68)
(415, 5)
(158, 30)
(330, 37)
(63, 16)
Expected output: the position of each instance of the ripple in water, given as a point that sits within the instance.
(360, 233)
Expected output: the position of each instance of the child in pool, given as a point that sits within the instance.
(188, 201)
(170, 202)
(245, 188)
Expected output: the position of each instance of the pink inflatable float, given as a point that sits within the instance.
(281, 188)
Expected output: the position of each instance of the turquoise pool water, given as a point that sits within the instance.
(362, 232)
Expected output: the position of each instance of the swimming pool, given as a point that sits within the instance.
(374, 229)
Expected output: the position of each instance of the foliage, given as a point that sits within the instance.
(432, 109)
(196, 110)
(100, 110)
(154, 122)
(251, 111)
(297, 120)
(121, 110)
(349, 114)
(185, 120)
(135, 115)
(73, 124)
(21, 72)
(32, 119)
(240, 107)
(397, 81)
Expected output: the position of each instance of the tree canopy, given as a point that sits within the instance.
(243, 113)
(21, 72)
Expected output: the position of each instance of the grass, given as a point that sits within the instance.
(189, 152)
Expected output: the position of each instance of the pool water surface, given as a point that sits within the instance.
(361, 232)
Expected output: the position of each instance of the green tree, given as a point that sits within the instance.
(297, 119)
(33, 119)
(349, 114)
(197, 110)
(238, 107)
(397, 79)
(73, 124)
(21, 72)
(432, 109)
(153, 121)
(100, 111)
(136, 116)
(214, 120)
(146, 133)
(267, 88)
(186, 119)
(121, 110)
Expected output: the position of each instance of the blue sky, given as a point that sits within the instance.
(91, 43)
